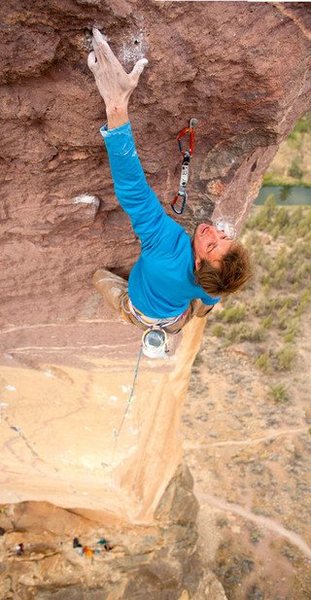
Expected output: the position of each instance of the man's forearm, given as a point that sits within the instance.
(116, 116)
(131, 187)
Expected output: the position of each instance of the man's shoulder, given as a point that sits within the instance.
(177, 226)
(169, 237)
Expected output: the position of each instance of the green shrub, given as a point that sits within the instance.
(218, 330)
(198, 360)
(285, 358)
(262, 219)
(242, 333)
(264, 260)
(296, 136)
(278, 277)
(295, 170)
(291, 331)
(279, 393)
(279, 220)
(263, 362)
(303, 272)
(303, 125)
(304, 301)
(255, 536)
(282, 317)
(283, 302)
(289, 337)
(296, 216)
(255, 239)
(267, 322)
(270, 178)
(233, 314)
(262, 307)
(282, 218)
(266, 280)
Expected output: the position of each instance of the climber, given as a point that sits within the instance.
(175, 277)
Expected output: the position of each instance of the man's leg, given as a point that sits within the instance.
(196, 308)
(201, 309)
(114, 289)
(111, 286)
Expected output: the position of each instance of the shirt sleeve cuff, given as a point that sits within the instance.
(107, 133)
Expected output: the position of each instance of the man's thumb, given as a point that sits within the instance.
(91, 62)
(138, 69)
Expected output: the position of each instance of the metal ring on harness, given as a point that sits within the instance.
(154, 342)
(155, 338)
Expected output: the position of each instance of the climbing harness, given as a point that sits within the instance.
(182, 195)
(154, 339)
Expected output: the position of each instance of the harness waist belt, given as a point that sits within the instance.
(148, 321)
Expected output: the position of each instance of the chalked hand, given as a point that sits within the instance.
(114, 84)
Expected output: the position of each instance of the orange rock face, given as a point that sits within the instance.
(241, 69)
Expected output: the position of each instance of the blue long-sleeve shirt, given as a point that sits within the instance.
(162, 282)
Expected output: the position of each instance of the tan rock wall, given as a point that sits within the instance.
(68, 434)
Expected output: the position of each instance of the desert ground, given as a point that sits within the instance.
(246, 422)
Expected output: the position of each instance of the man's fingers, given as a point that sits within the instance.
(98, 37)
(91, 62)
(101, 46)
(138, 69)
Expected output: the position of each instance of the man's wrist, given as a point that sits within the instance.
(116, 115)
(116, 107)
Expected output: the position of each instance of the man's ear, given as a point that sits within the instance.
(197, 263)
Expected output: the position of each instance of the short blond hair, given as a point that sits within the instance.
(235, 270)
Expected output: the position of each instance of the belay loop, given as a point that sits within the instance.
(184, 177)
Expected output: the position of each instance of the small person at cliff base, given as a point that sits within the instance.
(175, 277)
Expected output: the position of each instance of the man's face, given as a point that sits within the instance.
(210, 244)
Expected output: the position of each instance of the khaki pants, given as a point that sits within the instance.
(114, 289)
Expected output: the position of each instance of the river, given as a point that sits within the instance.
(285, 195)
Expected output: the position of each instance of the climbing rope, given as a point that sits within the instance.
(129, 402)
(185, 167)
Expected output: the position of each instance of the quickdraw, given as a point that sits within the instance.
(184, 177)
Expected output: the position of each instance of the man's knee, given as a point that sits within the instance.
(203, 310)
(111, 287)
(199, 309)
(101, 275)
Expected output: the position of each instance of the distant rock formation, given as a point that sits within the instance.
(156, 561)
(67, 362)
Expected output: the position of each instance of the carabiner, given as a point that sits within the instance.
(184, 177)
(183, 132)
(183, 195)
